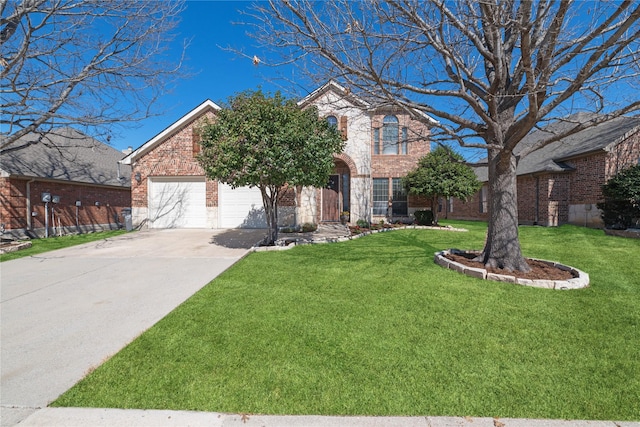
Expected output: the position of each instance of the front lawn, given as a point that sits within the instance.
(373, 327)
(39, 246)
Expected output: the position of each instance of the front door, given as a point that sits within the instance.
(331, 199)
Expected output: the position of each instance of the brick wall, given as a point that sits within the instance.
(173, 157)
(107, 214)
(623, 155)
(397, 165)
(587, 179)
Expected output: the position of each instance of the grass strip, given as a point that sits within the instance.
(39, 246)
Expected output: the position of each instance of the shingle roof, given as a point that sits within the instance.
(65, 154)
(552, 157)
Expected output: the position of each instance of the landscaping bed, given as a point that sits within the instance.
(540, 270)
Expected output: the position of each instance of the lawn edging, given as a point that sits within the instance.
(579, 282)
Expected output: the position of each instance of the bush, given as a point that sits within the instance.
(308, 227)
(362, 223)
(423, 217)
(621, 206)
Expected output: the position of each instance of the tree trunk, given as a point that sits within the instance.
(502, 248)
(270, 203)
(434, 209)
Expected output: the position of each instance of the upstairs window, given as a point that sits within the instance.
(405, 141)
(390, 135)
(341, 125)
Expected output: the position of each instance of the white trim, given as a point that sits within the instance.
(331, 85)
(159, 138)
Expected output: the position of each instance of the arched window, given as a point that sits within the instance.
(390, 135)
(333, 121)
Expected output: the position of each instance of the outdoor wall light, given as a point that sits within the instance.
(97, 203)
(138, 177)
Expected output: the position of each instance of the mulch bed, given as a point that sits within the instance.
(539, 270)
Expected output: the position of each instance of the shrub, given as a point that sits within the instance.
(308, 227)
(423, 217)
(362, 223)
(621, 206)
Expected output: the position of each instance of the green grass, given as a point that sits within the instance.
(373, 327)
(39, 246)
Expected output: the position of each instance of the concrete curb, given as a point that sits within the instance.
(99, 417)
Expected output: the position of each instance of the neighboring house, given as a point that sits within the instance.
(169, 187)
(63, 179)
(561, 183)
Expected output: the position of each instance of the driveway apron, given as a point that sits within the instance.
(65, 312)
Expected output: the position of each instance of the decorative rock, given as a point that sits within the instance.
(457, 267)
(524, 282)
(479, 273)
(442, 262)
(547, 284)
(501, 278)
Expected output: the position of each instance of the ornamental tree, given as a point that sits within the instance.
(441, 173)
(268, 142)
(489, 71)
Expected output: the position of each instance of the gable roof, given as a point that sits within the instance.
(345, 93)
(162, 136)
(64, 154)
(553, 157)
(333, 86)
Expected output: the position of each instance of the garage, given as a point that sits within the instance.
(177, 202)
(240, 207)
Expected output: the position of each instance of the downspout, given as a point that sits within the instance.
(29, 222)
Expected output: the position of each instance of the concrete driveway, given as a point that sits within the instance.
(65, 312)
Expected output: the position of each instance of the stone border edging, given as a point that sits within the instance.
(13, 247)
(297, 242)
(579, 282)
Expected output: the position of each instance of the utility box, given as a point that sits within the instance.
(128, 220)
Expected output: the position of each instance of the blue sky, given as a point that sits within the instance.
(217, 73)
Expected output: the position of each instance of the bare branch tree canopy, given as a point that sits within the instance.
(91, 63)
(490, 71)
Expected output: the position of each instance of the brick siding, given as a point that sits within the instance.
(13, 204)
(556, 193)
(398, 165)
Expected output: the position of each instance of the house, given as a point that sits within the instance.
(561, 182)
(61, 182)
(169, 188)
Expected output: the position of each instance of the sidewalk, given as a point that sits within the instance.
(81, 417)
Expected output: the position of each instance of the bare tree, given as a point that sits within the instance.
(82, 62)
(491, 71)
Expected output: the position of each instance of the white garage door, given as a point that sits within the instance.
(240, 208)
(177, 202)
